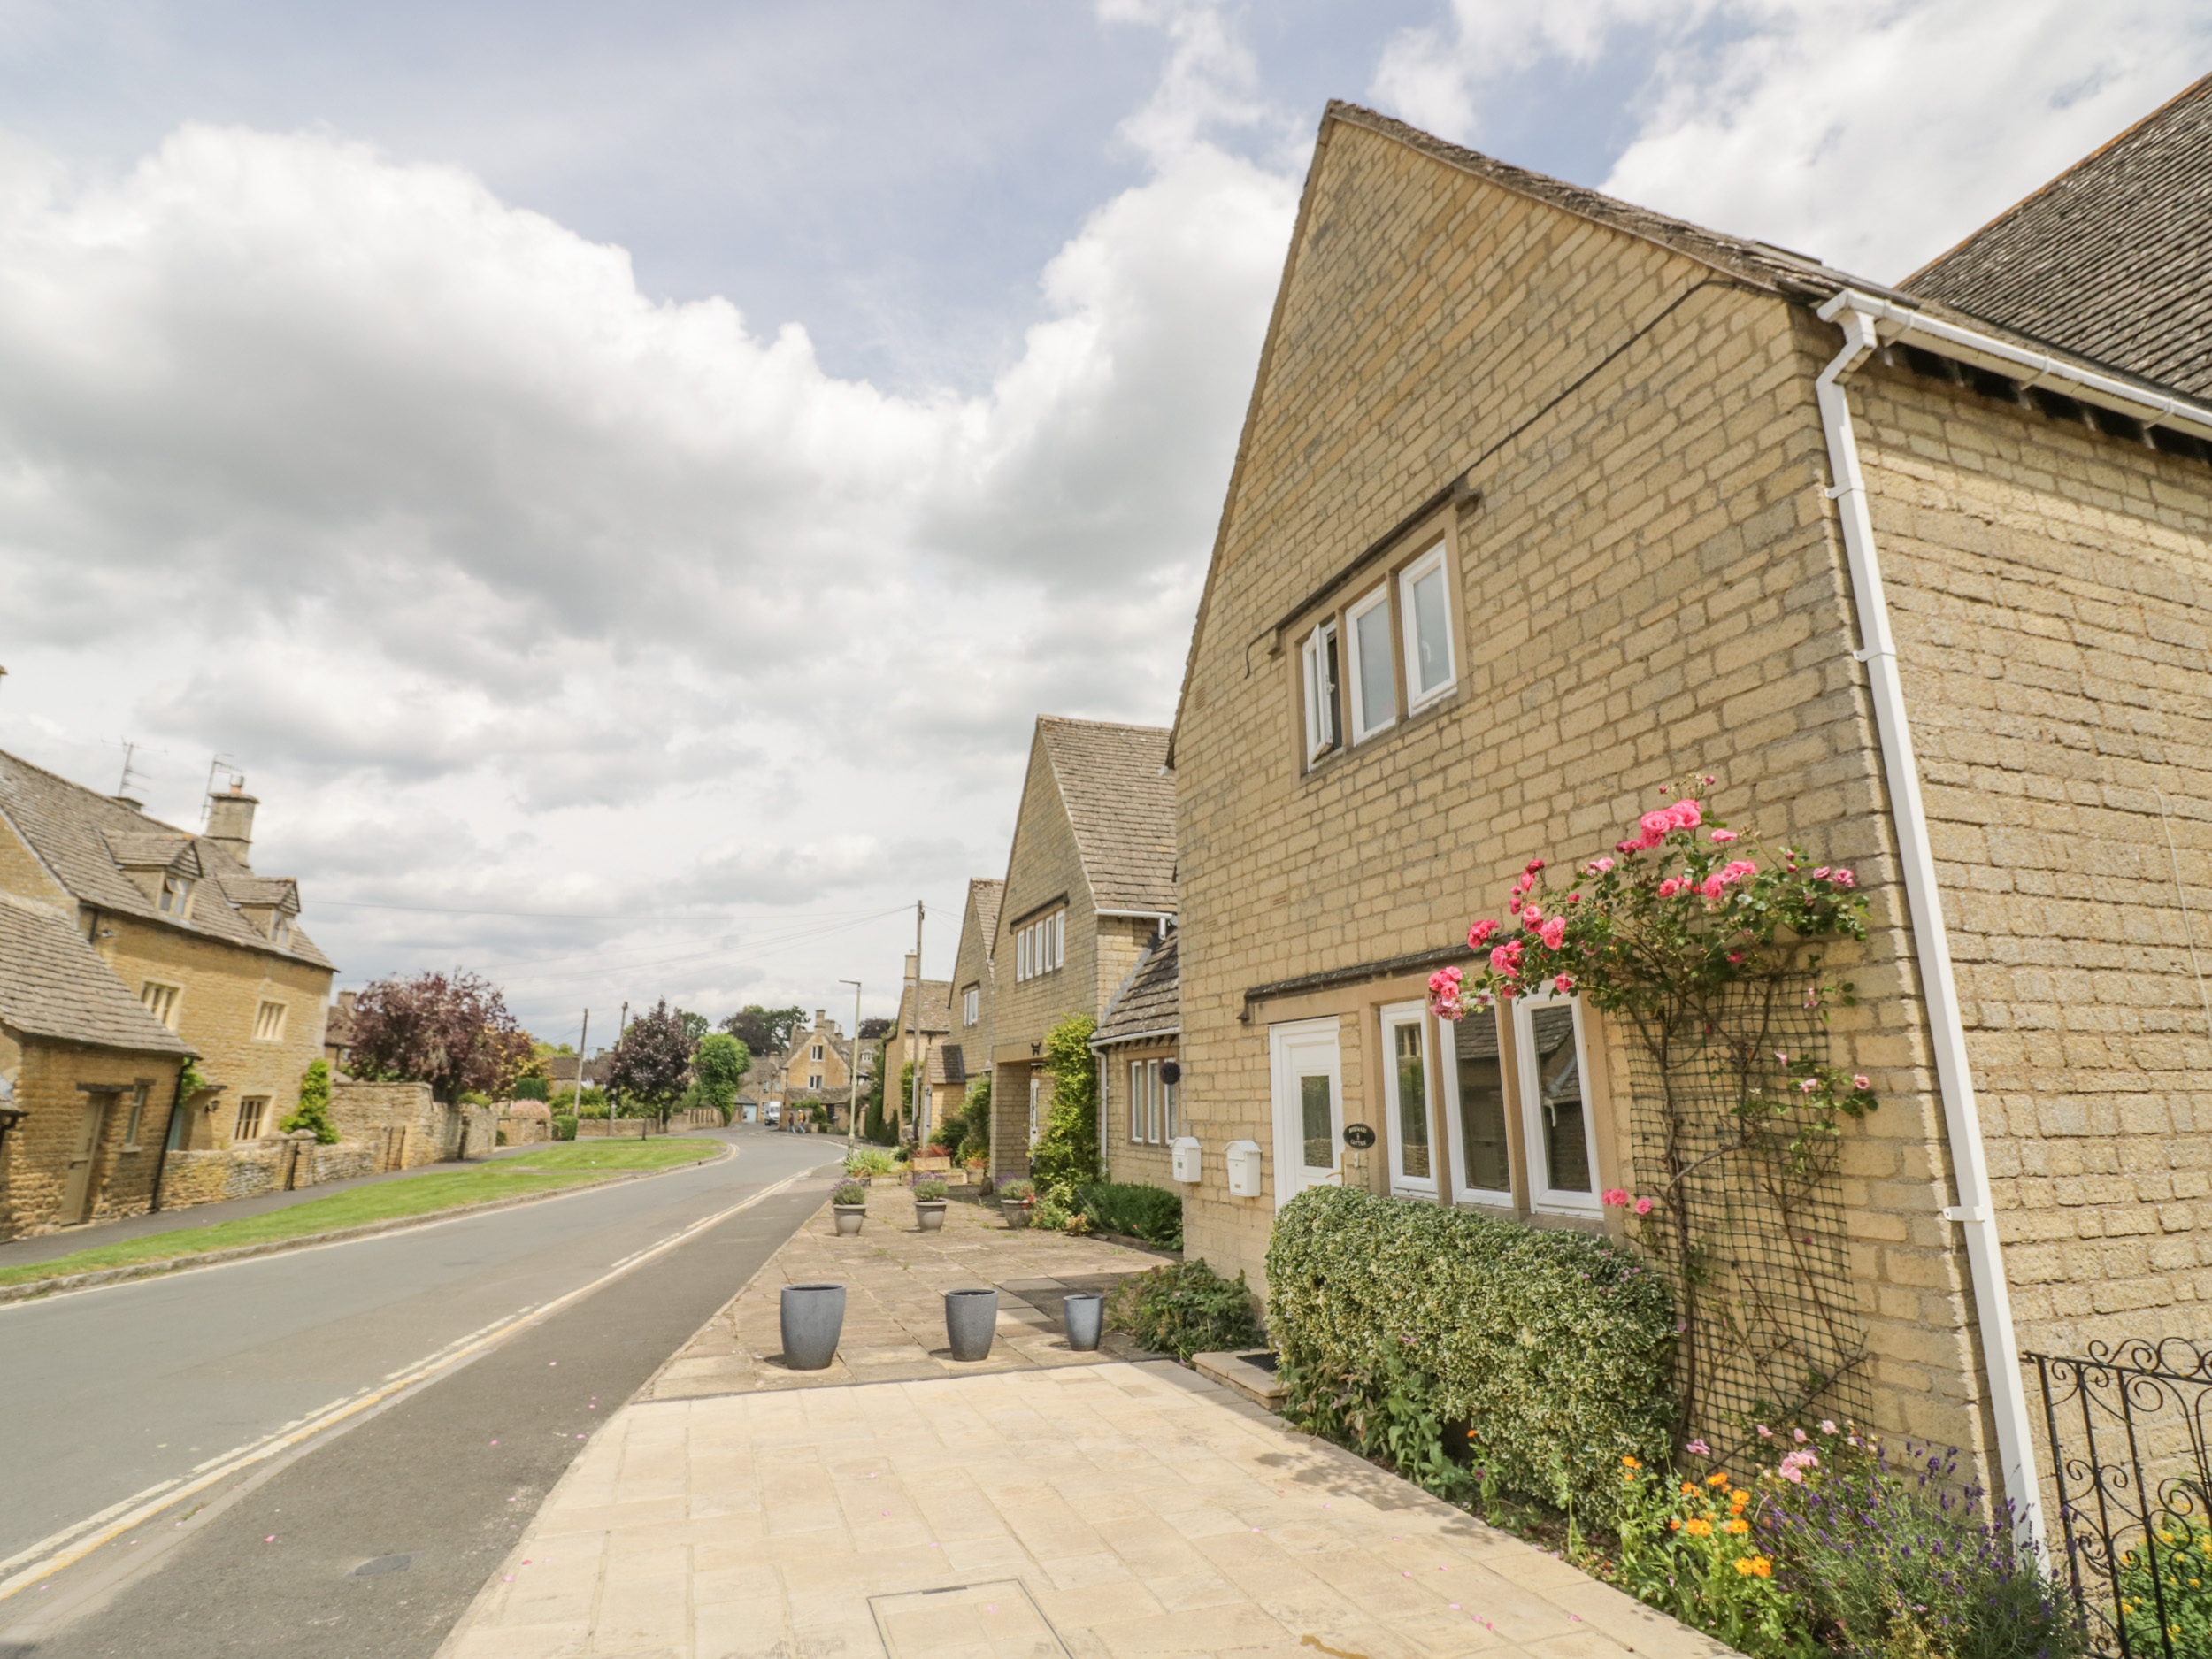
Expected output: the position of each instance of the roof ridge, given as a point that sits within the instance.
(88, 791)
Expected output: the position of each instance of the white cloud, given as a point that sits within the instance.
(510, 586)
(1872, 135)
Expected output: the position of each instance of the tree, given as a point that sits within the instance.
(651, 1064)
(1067, 1149)
(871, 1029)
(695, 1026)
(452, 1031)
(764, 1030)
(720, 1063)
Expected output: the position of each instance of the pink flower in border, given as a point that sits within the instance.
(1603, 865)
(1843, 879)
(1643, 1206)
(1765, 1434)
(1530, 915)
(1513, 905)
(1505, 960)
(1713, 887)
(1479, 934)
(1721, 838)
(1686, 815)
(1616, 1197)
(1858, 1081)
(1564, 984)
(1821, 874)
(1628, 847)
(1531, 866)
(1671, 886)
(1827, 1425)
(1698, 1449)
(1795, 1476)
(1800, 1435)
(1655, 827)
(1445, 979)
(1553, 933)
(1809, 1085)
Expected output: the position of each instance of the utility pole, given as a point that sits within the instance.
(921, 1054)
(852, 1072)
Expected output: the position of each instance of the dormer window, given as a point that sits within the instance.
(280, 930)
(176, 894)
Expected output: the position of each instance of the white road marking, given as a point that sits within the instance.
(58, 1550)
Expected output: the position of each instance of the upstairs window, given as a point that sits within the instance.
(161, 1001)
(176, 896)
(280, 930)
(972, 1005)
(1325, 709)
(1425, 611)
(268, 1023)
(1374, 668)
(817, 1054)
(1040, 947)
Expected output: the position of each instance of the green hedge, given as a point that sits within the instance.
(1135, 1210)
(1552, 1348)
(564, 1128)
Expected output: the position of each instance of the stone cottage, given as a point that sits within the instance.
(1543, 502)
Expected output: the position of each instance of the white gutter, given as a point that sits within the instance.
(1975, 1212)
(1901, 324)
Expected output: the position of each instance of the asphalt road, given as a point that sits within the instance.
(111, 1391)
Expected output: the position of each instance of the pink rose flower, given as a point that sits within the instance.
(1532, 866)
(1479, 934)
(1530, 915)
(1444, 980)
(1655, 827)
(1795, 1476)
(1858, 1081)
(1809, 1085)
(1686, 815)
(1553, 933)
(1821, 874)
(1765, 1434)
(1643, 1206)
(1698, 1449)
(1713, 887)
(1721, 838)
(1615, 1197)
(1628, 846)
(1513, 905)
(1827, 1425)
(1603, 865)
(1564, 984)
(1843, 879)
(1671, 886)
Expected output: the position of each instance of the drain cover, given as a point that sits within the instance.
(383, 1563)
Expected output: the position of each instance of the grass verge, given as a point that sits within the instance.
(544, 1169)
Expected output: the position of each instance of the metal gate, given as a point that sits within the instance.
(2127, 1428)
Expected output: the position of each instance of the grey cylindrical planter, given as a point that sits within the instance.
(930, 1216)
(849, 1216)
(1015, 1211)
(813, 1319)
(1085, 1316)
(970, 1322)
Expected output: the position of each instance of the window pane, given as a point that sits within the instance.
(1559, 1097)
(1377, 701)
(1431, 634)
(1136, 1101)
(1313, 1104)
(1152, 1100)
(1482, 1106)
(1413, 1102)
(1167, 1110)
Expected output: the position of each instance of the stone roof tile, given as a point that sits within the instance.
(1120, 806)
(53, 983)
(1151, 999)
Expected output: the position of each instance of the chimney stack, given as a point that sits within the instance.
(230, 822)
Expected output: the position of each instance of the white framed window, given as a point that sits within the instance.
(176, 896)
(1167, 1110)
(251, 1112)
(268, 1022)
(1136, 1102)
(972, 1005)
(1036, 1096)
(1306, 1076)
(1021, 954)
(161, 1001)
(817, 1054)
(1374, 670)
(1406, 1070)
(280, 930)
(1425, 608)
(137, 1119)
(1325, 707)
(1475, 1111)
(814, 1079)
(1552, 1058)
(1040, 947)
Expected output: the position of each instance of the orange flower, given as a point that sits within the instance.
(1698, 1529)
(1744, 1566)
(1688, 1491)
(1674, 1527)
(1630, 1462)
(1718, 1478)
(1740, 1525)
(1761, 1565)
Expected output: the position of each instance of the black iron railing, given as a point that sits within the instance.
(2130, 1465)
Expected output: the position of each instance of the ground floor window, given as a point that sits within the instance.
(1555, 1106)
(137, 1119)
(251, 1110)
(1036, 1097)
(1405, 1054)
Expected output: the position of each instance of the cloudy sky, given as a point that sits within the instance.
(619, 481)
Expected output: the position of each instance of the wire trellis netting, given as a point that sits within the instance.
(1753, 1234)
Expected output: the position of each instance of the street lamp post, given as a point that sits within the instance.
(852, 1072)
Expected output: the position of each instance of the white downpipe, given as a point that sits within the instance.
(1975, 1212)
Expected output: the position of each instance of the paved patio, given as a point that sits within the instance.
(1038, 1504)
(895, 1277)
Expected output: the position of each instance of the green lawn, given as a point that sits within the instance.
(541, 1168)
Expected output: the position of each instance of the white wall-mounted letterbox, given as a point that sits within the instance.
(1244, 1169)
(1188, 1165)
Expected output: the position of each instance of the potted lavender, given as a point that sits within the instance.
(850, 1203)
(929, 1204)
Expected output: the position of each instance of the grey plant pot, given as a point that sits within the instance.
(848, 1217)
(1017, 1210)
(929, 1214)
(1085, 1316)
(970, 1322)
(813, 1319)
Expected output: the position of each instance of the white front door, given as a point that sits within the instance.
(1406, 1068)
(1308, 1076)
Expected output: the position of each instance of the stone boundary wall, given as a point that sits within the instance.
(617, 1128)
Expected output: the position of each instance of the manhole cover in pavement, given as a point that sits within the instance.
(996, 1617)
(383, 1563)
